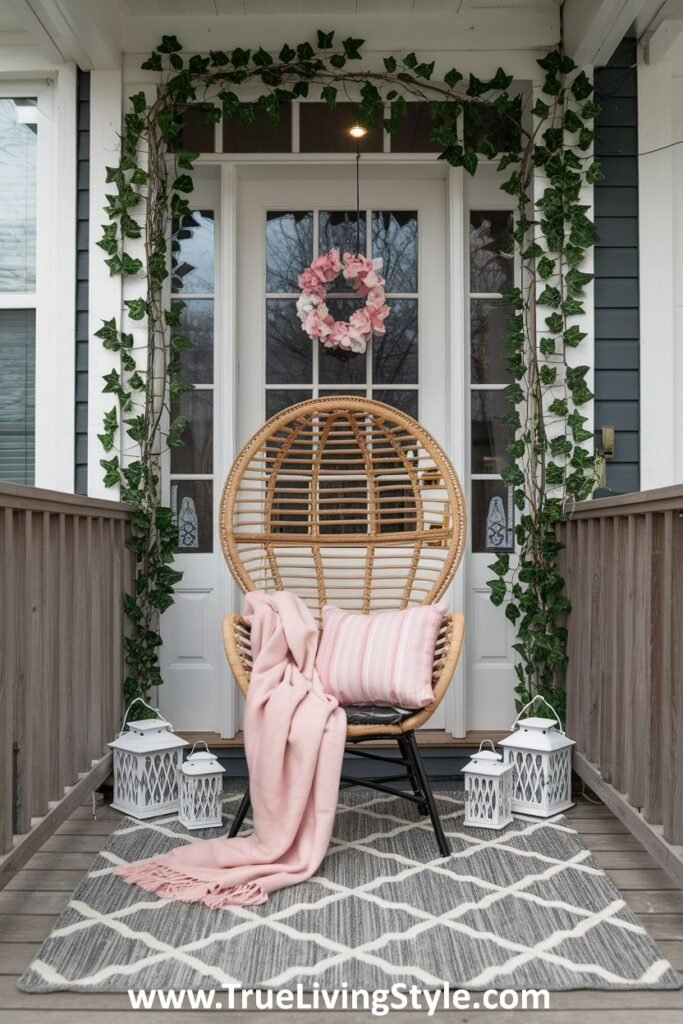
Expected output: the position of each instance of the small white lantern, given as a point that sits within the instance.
(488, 790)
(541, 756)
(201, 790)
(146, 762)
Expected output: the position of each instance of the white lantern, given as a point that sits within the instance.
(541, 756)
(146, 762)
(488, 789)
(201, 790)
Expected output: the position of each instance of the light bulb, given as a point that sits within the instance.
(358, 132)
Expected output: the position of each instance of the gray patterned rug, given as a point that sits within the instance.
(525, 907)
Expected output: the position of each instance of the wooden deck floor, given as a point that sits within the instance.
(30, 904)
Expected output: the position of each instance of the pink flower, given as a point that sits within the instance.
(377, 318)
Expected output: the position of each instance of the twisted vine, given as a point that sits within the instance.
(151, 185)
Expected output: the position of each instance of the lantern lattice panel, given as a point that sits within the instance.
(529, 777)
(155, 787)
(559, 777)
(481, 798)
(201, 800)
(344, 501)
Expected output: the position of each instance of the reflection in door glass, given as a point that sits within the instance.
(492, 267)
(394, 239)
(492, 516)
(192, 258)
(289, 248)
(296, 367)
(488, 330)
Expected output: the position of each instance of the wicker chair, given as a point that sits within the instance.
(348, 501)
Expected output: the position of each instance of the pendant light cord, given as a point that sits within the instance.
(357, 198)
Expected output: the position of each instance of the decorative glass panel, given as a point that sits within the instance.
(289, 355)
(394, 355)
(281, 398)
(289, 248)
(192, 254)
(338, 229)
(413, 132)
(192, 507)
(324, 129)
(18, 141)
(489, 435)
(492, 267)
(406, 400)
(261, 136)
(196, 324)
(488, 330)
(17, 395)
(196, 454)
(394, 238)
(493, 516)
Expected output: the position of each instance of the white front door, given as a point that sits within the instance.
(442, 361)
(282, 225)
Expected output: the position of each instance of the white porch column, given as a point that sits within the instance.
(56, 283)
(658, 440)
(105, 290)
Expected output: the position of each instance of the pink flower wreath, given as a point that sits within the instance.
(316, 319)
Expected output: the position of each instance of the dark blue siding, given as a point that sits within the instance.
(617, 329)
(82, 273)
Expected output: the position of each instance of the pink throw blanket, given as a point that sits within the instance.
(294, 736)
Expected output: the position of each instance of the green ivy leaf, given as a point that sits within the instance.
(545, 267)
(286, 54)
(137, 308)
(573, 336)
(169, 44)
(452, 77)
(549, 297)
(352, 48)
(112, 474)
(498, 591)
(548, 375)
(547, 346)
(325, 40)
(594, 173)
(581, 88)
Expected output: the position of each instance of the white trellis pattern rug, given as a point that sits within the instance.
(525, 907)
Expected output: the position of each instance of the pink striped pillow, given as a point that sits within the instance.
(385, 658)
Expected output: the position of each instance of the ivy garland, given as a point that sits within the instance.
(150, 185)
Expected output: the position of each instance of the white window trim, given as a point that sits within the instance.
(54, 299)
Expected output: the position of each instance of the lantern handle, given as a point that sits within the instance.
(539, 696)
(149, 708)
(493, 746)
(195, 744)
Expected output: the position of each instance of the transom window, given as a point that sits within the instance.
(296, 367)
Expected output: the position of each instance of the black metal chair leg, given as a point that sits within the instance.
(412, 778)
(242, 812)
(415, 758)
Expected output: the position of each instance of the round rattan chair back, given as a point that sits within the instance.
(344, 501)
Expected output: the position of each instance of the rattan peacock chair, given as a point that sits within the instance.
(348, 501)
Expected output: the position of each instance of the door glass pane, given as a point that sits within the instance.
(17, 395)
(488, 330)
(278, 399)
(338, 230)
(394, 238)
(196, 454)
(196, 133)
(196, 324)
(406, 400)
(394, 356)
(414, 131)
(493, 516)
(192, 508)
(18, 142)
(289, 248)
(489, 435)
(492, 269)
(289, 355)
(192, 253)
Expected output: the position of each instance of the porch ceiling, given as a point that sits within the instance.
(98, 33)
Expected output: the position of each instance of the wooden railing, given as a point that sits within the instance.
(64, 567)
(623, 564)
